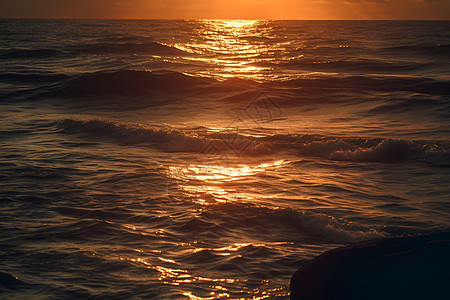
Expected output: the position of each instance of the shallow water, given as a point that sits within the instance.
(211, 159)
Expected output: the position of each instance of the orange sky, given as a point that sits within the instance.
(227, 9)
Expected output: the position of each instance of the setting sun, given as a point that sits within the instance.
(228, 9)
(232, 149)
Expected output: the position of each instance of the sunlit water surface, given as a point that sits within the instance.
(210, 159)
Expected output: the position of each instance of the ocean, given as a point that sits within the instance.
(210, 159)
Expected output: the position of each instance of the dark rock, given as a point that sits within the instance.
(396, 268)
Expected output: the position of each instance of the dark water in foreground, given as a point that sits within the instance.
(211, 159)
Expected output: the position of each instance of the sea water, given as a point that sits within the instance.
(208, 159)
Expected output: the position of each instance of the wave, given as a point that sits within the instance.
(144, 83)
(326, 228)
(312, 227)
(327, 50)
(95, 48)
(171, 140)
(374, 83)
(222, 218)
(10, 282)
(230, 141)
(408, 104)
(30, 53)
(125, 82)
(397, 268)
(430, 50)
(365, 65)
(361, 149)
(125, 48)
(36, 78)
(102, 85)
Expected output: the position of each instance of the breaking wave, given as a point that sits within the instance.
(333, 148)
(311, 226)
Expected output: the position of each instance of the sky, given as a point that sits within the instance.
(226, 9)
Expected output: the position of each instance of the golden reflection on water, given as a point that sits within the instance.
(226, 251)
(168, 271)
(176, 276)
(210, 180)
(232, 47)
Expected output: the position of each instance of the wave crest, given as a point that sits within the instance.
(229, 141)
(126, 48)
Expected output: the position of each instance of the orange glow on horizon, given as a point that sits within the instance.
(227, 9)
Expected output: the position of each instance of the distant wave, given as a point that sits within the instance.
(430, 50)
(333, 148)
(125, 48)
(35, 78)
(360, 65)
(375, 83)
(94, 48)
(29, 53)
(125, 82)
(130, 82)
(407, 104)
(442, 50)
(329, 50)
(101, 84)
(133, 134)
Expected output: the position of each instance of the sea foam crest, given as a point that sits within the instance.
(333, 148)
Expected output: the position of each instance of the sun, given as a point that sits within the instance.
(238, 23)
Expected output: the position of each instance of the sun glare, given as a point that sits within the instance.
(238, 23)
(224, 45)
(211, 180)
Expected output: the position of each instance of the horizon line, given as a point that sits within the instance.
(190, 19)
